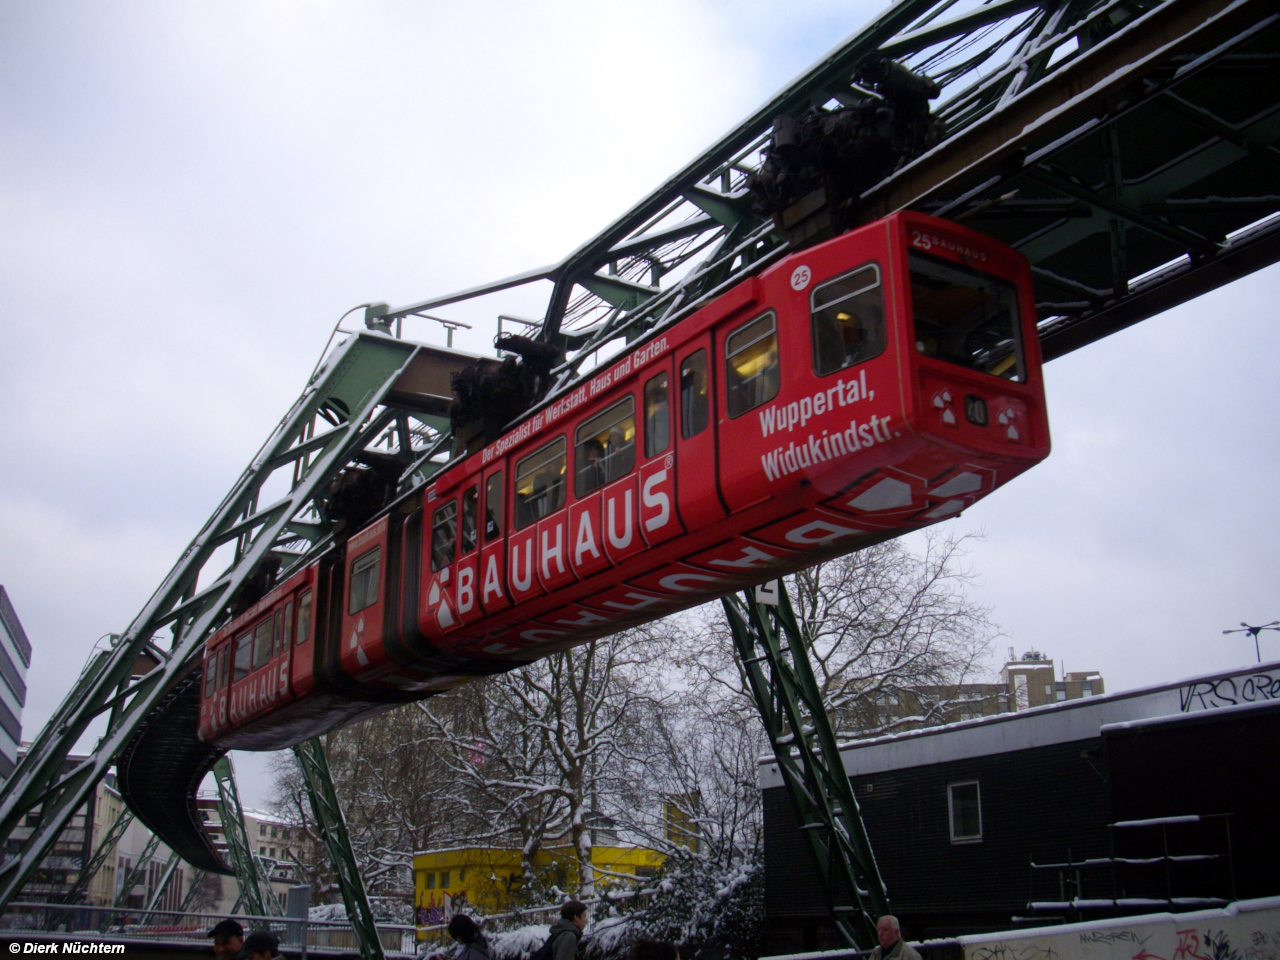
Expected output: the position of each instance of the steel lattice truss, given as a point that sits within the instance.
(1122, 145)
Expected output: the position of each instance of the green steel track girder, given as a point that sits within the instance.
(333, 830)
(1029, 89)
(249, 873)
(766, 634)
(342, 412)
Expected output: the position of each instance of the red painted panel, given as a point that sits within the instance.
(577, 618)
(658, 520)
(439, 601)
(362, 651)
(467, 590)
(618, 506)
(522, 562)
(883, 499)
(553, 551)
(679, 579)
(536, 633)
(808, 529)
(696, 456)
(303, 680)
(493, 595)
(283, 648)
(492, 646)
(628, 604)
(586, 535)
(739, 559)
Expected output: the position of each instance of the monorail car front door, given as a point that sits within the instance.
(302, 673)
(659, 520)
(695, 439)
(496, 517)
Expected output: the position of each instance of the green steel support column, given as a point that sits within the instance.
(112, 837)
(765, 631)
(136, 872)
(170, 869)
(193, 891)
(333, 828)
(248, 870)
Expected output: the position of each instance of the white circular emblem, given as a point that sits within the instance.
(800, 277)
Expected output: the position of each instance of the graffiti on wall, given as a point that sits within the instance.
(1014, 951)
(1115, 936)
(1229, 692)
(1216, 945)
(1246, 931)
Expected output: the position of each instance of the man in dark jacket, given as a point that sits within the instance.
(567, 931)
(228, 936)
(892, 946)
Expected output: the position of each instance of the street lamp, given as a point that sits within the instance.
(1254, 631)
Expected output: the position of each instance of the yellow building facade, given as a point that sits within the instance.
(485, 878)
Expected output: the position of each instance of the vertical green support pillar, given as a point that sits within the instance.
(246, 865)
(105, 848)
(333, 829)
(133, 876)
(765, 631)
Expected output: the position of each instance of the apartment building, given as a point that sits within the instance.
(15, 658)
(1027, 681)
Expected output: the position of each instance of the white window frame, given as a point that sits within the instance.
(951, 812)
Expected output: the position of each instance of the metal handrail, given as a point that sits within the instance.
(104, 922)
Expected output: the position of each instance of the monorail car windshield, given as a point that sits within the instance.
(873, 384)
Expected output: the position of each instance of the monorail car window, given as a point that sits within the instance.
(288, 626)
(224, 665)
(470, 509)
(848, 320)
(444, 535)
(540, 483)
(262, 644)
(694, 407)
(966, 317)
(751, 364)
(605, 447)
(210, 674)
(364, 580)
(304, 618)
(244, 657)
(493, 507)
(657, 415)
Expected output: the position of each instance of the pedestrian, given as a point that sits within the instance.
(892, 946)
(471, 942)
(228, 936)
(567, 931)
(648, 949)
(259, 945)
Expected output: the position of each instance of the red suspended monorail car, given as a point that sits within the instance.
(873, 384)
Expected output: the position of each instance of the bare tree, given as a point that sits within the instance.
(876, 623)
(534, 754)
(389, 781)
(885, 620)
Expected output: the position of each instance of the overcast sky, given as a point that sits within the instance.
(191, 194)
